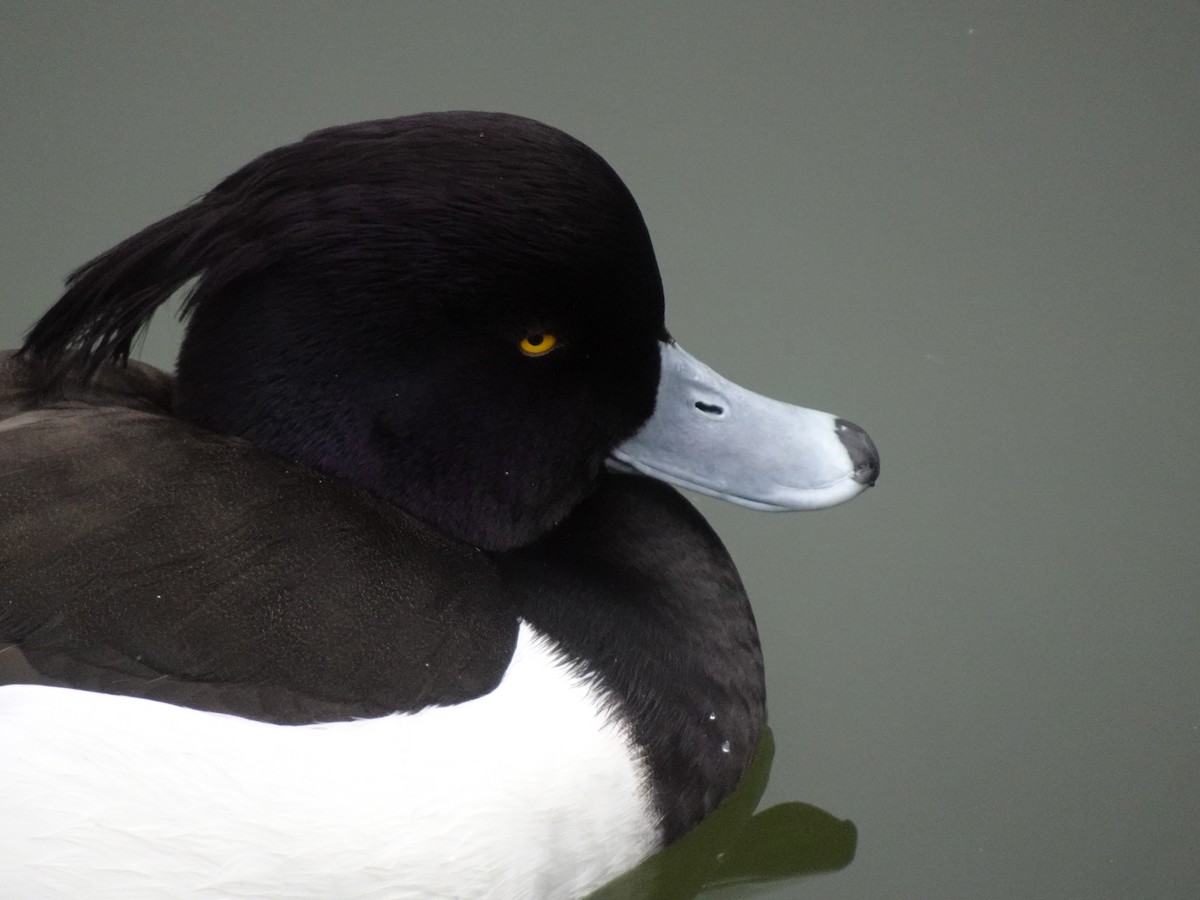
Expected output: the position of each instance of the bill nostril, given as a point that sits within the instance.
(862, 451)
(711, 408)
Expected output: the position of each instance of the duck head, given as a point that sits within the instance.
(459, 312)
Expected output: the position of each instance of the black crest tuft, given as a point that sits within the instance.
(110, 299)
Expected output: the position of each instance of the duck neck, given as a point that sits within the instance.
(636, 586)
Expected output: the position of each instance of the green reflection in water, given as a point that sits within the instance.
(735, 846)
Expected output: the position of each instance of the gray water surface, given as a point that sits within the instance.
(973, 228)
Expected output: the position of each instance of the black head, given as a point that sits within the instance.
(379, 301)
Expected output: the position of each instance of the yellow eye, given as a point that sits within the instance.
(538, 344)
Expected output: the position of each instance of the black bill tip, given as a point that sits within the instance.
(862, 452)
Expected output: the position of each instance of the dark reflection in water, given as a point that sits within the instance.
(737, 846)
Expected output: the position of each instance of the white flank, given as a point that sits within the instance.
(528, 792)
